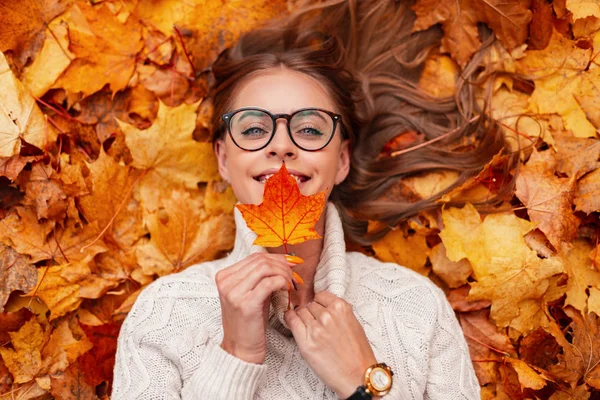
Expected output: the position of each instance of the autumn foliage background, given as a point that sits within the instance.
(107, 181)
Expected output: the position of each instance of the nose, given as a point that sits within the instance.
(281, 144)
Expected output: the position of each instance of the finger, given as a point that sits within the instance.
(316, 310)
(325, 298)
(295, 323)
(248, 280)
(305, 316)
(253, 259)
(265, 287)
(247, 270)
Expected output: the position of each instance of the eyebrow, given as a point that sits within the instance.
(250, 113)
(312, 112)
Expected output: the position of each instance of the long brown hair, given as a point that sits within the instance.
(365, 54)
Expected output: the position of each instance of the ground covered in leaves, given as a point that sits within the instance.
(108, 181)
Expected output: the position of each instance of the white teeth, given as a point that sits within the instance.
(264, 178)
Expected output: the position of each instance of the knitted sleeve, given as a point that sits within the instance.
(451, 374)
(162, 355)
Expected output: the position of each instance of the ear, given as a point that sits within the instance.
(219, 149)
(344, 162)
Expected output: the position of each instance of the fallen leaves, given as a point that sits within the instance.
(108, 181)
(508, 19)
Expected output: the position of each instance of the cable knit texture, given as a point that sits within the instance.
(169, 345)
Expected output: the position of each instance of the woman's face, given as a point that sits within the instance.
(282, 91)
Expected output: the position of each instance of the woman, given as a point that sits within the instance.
(221, 329)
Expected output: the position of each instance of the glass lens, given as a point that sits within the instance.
(311, 129)
(251, 129)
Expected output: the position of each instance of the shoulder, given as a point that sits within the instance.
(400, 290)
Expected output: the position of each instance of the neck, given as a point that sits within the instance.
(310, 252)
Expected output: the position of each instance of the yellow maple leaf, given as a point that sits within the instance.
(182, 233)
(506, 270)
(561, 73)
(169, 154)
(20, 118)
(25, 361)
(105, 48)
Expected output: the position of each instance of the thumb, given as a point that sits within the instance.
(295, 323)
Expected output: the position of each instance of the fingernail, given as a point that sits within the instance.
(298, 278)
(294, 259)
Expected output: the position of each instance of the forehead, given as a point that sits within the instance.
(282, 90)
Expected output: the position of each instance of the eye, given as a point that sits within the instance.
(309, 131)
(254, 131)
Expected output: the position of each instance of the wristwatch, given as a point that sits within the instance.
(378, 382)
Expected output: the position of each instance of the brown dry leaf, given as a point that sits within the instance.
(67, 342)
(182, 234)
(11, 167)
(577, 156)
(587, 198)
(25, 361)
(135, 105)
(169, 154)
(22, 230)
(506, 269)
(20, 118)
(581, 349)
(105, 48)
(508, 19)
(410, 251)
(538, 348)
(542, 24)
(24, 25)
(16, 273)
(548, 198)
(71, 384)
(454, 274)
(459, 300)
(578, 393)
(111, 201)
(44, 192)
(486, 344)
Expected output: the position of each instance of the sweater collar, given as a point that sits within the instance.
(332, 272)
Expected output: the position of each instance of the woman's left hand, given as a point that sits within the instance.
(332, 342)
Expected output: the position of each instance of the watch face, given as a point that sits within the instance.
(380, 379)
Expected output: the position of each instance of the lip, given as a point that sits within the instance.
(275, 170)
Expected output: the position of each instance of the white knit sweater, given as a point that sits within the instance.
(169, 345)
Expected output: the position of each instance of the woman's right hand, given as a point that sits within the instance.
(245, 290)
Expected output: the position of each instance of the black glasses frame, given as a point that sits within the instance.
(227, 117)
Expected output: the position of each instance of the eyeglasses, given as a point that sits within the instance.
(253, 128)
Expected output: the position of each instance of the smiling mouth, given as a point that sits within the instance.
(299, 178)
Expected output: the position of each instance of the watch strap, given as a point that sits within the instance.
(360, 394)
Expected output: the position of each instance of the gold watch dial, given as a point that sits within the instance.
(380, 379)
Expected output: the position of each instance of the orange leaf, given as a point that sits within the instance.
(285, 216)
